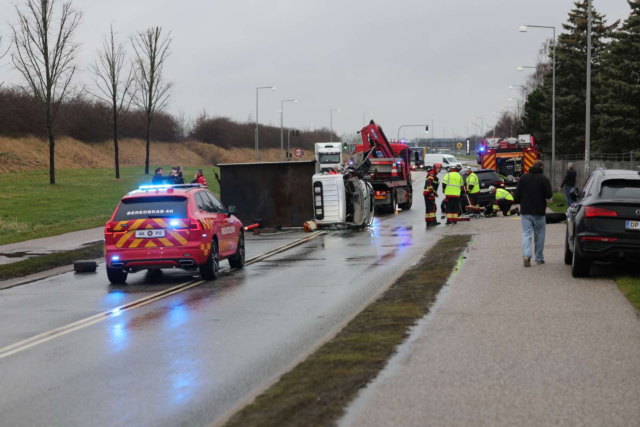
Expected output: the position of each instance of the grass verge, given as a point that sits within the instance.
(630, 287)
(559, 204)
(31, 208)
(48, 262)
(316, 392)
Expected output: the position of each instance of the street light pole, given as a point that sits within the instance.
(282, 126)
(364, 118)
(257, 91)
(523, 29)
(331, 123)
(478, 126)
(587, 139)
(481, 118)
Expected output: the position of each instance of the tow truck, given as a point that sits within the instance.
(509, 157)
(390, 173)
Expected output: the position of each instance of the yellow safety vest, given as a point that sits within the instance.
(454, 183)
(503, 194)
(473, 180)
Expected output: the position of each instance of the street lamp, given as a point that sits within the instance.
(331, 122)
(282, 126)
(524, 29)
(257, 91)
(478, 126)
(364, 118)
(587, 139)
(480, 118)
(526, 66)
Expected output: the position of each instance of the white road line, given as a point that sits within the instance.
(83, 323)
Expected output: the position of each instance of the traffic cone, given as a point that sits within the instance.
(394, 171)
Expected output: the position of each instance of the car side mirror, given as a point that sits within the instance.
(231, 210)
(574, 195)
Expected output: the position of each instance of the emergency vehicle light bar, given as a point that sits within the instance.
(165, 186)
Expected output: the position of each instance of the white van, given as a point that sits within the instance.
(446, 160)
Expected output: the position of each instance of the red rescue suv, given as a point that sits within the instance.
(172, 226)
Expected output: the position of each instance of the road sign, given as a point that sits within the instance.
(299, 152)
(459, 145)
(468, 146)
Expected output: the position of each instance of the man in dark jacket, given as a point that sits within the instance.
(569, 183)
(533, 191)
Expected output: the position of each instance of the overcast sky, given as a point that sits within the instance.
(407, 61)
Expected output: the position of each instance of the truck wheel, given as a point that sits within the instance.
(407, 205)
(580, 267)
(568, 256)
(237, 261)
(117, 276)
(211, 269)
(394, 200)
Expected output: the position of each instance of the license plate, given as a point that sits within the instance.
(633, 225)
(149, 234)
(381, 197)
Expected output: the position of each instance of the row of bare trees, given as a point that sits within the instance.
(45, 54)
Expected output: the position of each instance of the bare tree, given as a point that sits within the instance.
(184, 125)
(45, 55)
(151, 51)
(3, 54)
(114, 85)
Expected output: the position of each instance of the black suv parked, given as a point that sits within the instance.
(487, 178)
(603, 222)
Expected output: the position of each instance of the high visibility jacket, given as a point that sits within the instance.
(452, 184)
(473, 185)
(503, 194)
(431, 184)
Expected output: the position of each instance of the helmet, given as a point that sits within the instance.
(492, 189)
(437, 166)
(457, 167)
(468, 169)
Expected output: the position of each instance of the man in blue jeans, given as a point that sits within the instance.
(569, 183)
(533, 191)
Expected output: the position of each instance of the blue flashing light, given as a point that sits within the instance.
(115, 258)
(174, 223)
(116, 311)
(155, 187)
(481, 148)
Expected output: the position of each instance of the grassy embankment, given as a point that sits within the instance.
(316, 392)
(31, 208)
(48, 262)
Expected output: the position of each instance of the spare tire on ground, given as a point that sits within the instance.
(85, 266)
(556, 218)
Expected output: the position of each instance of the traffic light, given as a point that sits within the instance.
(345, 147)
(427, 129)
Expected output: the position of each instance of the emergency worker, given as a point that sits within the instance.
(200, 179)
(473, 187)
(503, 202)
(452, 185)
(430, 194)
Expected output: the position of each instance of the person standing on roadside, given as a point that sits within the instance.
(178, 178)
(159, 177)
(569, 183)
(452, 186)
(200, 179)
(430, 193)
(533, 191)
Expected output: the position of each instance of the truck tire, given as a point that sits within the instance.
(580, 267)
(392, 207)
(211, 269)
(117, 276)
(407, 205)
(85, 266)
(237, 261)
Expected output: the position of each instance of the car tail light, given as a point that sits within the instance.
(195, 225)
(381, 193)
(498, 184)
(592, 212)
(108, 229)
(599, 239)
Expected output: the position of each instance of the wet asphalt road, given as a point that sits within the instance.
(189, 358)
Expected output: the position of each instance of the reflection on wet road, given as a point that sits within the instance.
(189, 358)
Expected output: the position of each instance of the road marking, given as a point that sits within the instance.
(83, 323)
